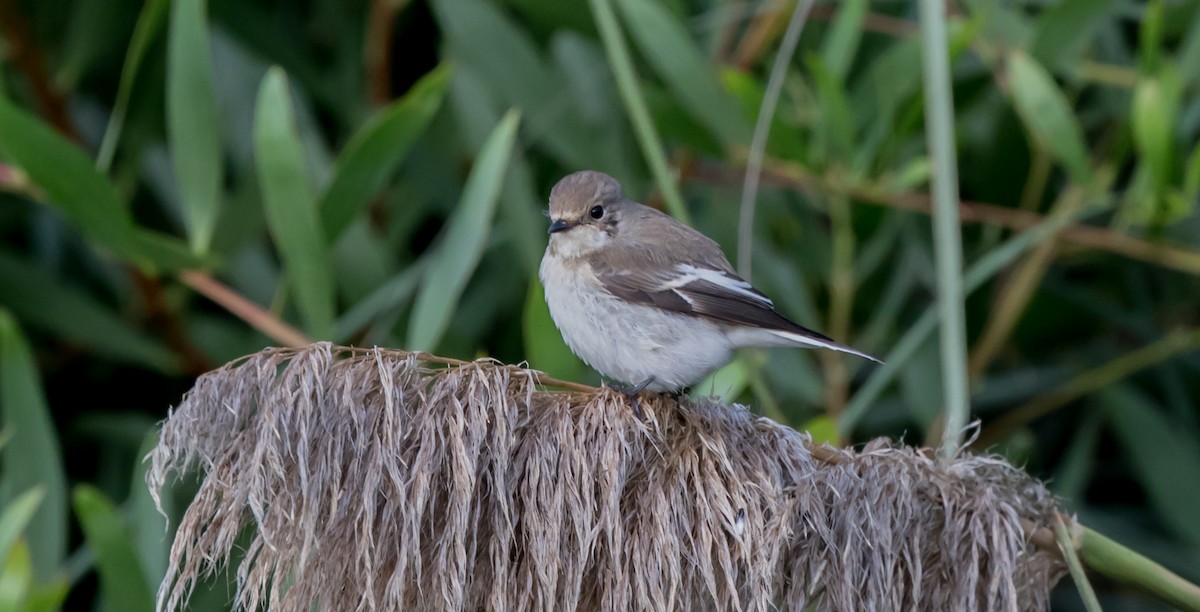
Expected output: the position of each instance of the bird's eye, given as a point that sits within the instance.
(596, 212)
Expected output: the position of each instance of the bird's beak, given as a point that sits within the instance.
(559, 225)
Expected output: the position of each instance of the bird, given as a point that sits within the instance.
(646, 300)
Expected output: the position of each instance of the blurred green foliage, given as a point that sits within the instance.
(372, 173)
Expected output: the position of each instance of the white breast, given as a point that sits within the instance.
(624, 341)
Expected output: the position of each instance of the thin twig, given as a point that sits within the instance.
(791, 176)
(258, 318)
(762, 129)
(23, 50)
(377, 49)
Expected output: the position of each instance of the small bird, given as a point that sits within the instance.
(647, 300)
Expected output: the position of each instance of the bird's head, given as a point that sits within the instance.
(585, 211)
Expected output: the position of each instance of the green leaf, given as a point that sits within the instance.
(1045, 112)
(192, 122)
(726, 383)
(483, 37)
(166, 252)
(1064, 29)
(16, 517)
(544, 346)
(122, 583)
(290, 206)
(464, 240)
(1188, 58)
(375, 150)
(1154, 110)
(70, 179)
(70, 313)
(16, 579)
(151, 535)
(1165, 456)
(389, 296)
(823, 430)
(841, 42)
(476, 115)
(149, 22)
(835, 127)
(1150, 39)
(666, 45)
(33, 457)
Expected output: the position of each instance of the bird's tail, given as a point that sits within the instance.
(777, 337)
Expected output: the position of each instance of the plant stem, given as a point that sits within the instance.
(939, 132)
(643, 127)
(1110, 559)
(762, 130)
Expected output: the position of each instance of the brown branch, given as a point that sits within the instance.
(168, 323)
(28, 59)
(377, 49)
(790, 176)
(270, 325)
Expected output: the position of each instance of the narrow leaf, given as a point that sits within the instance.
(192, 123)
(32, 457)
(290, 206)
(1165, 457)
(149, 22)
(463, 243)
(16, 517)
(122, 584)
(16, 579)
(665, 43)
(69, 178)
(1154, 109)
(1065, 28)
(841, 43)
(151, 536)
(71, 314)
(482, 36)
(376, 149)
(1046, 114)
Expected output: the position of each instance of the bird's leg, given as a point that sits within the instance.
(633, 392)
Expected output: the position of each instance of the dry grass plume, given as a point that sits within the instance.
(378, 480)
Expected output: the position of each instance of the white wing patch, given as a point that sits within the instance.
(687, 274)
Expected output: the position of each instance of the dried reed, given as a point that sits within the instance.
(379, 479)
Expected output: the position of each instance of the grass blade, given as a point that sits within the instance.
(70, 313)
(464, 240)
(841, 43)
(635, 105)
(375, 150)
(70, 179)
(1164, 456)
(122, 583)
(149, 22)
(151, 533)
(192, 122)
(32, 457)
(290, 206)
(17, 515)
(1047, 115)
(666, 45)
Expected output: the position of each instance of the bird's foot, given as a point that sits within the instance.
(633, 393)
